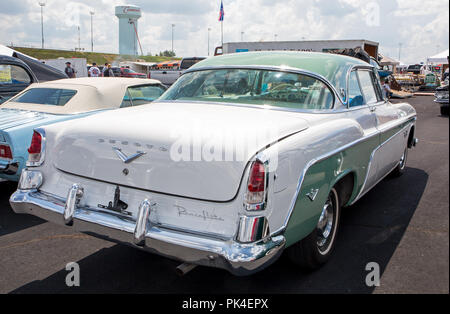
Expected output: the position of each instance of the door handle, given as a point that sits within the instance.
(373, 109)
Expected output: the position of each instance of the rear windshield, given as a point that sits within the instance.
(249, 86)
(45, 96)
(187, 63)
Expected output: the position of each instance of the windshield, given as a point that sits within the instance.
(256, 87)
(45, 96)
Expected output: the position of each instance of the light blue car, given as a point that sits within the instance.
(46, 103)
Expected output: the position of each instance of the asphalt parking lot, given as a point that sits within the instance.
(402, 225)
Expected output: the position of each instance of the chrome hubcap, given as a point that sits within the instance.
(325, 224)
(403, 160)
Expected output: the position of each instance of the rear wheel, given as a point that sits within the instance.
(317, 248)
(444, 111)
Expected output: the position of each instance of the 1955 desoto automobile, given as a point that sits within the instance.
(50, 102)
(244, 157)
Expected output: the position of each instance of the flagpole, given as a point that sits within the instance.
(221, 24)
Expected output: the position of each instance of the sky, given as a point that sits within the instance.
(420, 27)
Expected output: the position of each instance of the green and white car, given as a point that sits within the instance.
(244, 157)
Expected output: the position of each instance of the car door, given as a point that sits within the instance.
(360, 110)
(391, 147)
(13, 79)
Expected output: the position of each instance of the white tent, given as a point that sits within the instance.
(440, 58)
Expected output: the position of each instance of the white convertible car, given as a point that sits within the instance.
(244, 157)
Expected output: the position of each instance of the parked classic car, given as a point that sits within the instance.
(441, 97)
(246, 155)
(15, 76)
(55, 101)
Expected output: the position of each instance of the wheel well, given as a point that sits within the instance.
(411, 137)
(344, 188)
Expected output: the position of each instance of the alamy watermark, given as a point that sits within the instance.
(210, 141)
(73, 277)
(373, 277)
(371, 12)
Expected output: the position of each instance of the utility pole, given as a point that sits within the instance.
(92, 30)
(242, 36)
(79, 39)
(209, 30)
(42, 4)
(276, 35)
(173, 26)
(399, 51)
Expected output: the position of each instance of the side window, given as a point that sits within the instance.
(13, 74)
(355, 97)
(368, 90)
(140, 95)
(376, 83)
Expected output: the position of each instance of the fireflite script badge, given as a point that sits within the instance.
(125, 158)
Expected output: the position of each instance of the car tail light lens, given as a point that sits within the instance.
(255, 197)
(5, 152)
(36, 149)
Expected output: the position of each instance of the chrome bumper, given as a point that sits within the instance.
(238, 258)
(8, 167)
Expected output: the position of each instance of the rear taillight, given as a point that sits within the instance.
(36, 141)
(255, 197)
(5, 152)
(36, 149)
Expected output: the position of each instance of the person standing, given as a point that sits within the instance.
(104, 68)
(70, 72)
(108, 72)
(94, 71)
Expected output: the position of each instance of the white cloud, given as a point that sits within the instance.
(420, 25)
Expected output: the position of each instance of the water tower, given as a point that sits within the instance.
(128, 16)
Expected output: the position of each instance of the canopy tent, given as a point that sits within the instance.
(440, 58)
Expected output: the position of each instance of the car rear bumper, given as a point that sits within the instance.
(8, 167)
(238, 258)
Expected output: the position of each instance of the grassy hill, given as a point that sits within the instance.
(98, 57)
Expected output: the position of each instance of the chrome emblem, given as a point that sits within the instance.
(313, 194)
(125, 158)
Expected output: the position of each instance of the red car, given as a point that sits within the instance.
(127, 72)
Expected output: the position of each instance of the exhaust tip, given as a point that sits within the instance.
(184, 268)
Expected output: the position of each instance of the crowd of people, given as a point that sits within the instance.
(94, 71)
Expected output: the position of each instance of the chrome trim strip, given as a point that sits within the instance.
(322, 157)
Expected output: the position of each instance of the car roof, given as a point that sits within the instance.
(332, 67)
(93, 93)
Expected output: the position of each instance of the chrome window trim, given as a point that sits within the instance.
(314, 75)
(370, 105)
(355, 68)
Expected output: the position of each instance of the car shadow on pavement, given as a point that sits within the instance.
(11, 222)
(370, 231)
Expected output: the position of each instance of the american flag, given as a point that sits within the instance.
(222, 12)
